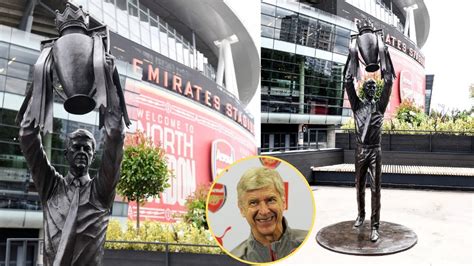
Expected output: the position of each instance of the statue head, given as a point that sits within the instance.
(370, 89)
(80, 151)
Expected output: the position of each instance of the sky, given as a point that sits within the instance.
(449, 53)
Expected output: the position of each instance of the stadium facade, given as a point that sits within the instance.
(187, 79)
(304, 49)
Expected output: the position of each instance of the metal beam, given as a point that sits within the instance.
(27, 18)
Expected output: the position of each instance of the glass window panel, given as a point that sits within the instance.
(121, 4)
(133, 21)
(267, 20)
(145, 29)
(267, 31)
(179, 51)
(17, 86)
(133, 2)
(135, 38)
(153, 16)
(268, 9)
(143, 16)
(155, 36)
(191, 59)
(186, 56)
(123, 30)
(24, 55)
(283, 16)
(171, 47)
(163, 41)
(95, 9)
(143, 8)
(325, 34)
(19, 70)
(341, 45)
(4, 49)
(109, 8)
(2, 85)
(3, 66)
(122, 13)
(343, 32)
(287, 22)
(111, 22)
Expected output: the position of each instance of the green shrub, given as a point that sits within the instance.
(152, 231)
(196, 207)
(378, 89)
(410, 119)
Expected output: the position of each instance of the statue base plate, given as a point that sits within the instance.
(344, 238)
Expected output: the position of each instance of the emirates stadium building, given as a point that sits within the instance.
(304, 49)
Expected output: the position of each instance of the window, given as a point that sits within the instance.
(145, 29)
(19, 70)
(4, 49)
(23, 55)
(17, 86)
(155, 35)
(163, 40)
(134, 23)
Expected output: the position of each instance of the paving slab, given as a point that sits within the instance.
(442, 220)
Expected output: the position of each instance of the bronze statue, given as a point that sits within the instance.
(368, 116)
(76, 207)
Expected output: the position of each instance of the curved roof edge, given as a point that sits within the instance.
(422, 19)
(214, 20)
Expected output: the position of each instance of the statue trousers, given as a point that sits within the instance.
(368, 162)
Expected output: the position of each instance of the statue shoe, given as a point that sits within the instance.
(359, 221)
(374, 235)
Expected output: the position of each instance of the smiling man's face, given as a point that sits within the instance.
(263, 209)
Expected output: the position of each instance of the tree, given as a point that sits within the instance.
(144, 171)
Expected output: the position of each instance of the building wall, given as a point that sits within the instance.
(304, 50)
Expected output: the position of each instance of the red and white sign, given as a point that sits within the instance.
(186, 131)
(223, 155)
(270, 162)
(410, 89)
(217, 197)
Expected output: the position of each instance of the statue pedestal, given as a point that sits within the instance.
(344, 238)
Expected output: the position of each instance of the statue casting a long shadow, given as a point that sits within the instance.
(368, 116)
(76, 207)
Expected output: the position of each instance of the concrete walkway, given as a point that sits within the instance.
(443, 221)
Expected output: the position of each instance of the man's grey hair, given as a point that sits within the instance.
(259, 177)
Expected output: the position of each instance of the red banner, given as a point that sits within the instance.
(187, 131)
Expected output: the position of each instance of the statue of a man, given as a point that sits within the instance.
(368, 116)
(76, 207)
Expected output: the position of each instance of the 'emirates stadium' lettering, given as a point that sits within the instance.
(402, 46)
(195, 92)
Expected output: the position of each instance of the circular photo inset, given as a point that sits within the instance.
(260, 209)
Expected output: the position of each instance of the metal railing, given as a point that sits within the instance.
(23, 260)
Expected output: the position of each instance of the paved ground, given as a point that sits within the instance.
(443, 221)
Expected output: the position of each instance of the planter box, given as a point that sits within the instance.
(414, 143)
(144, 258)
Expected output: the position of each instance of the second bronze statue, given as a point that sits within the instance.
(368, 117)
